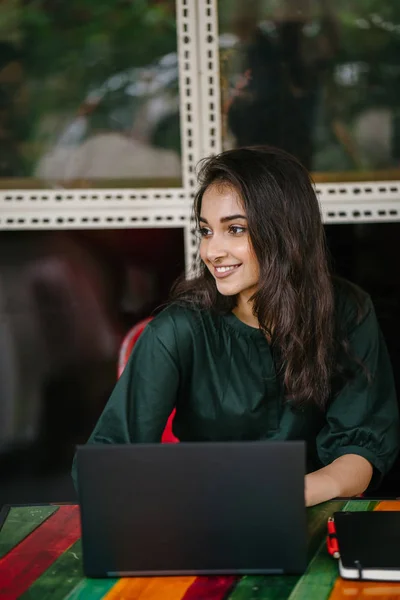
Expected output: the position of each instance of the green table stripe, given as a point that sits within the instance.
(319, 578)
(269, 587)
(361, 505)
(91, 589)
(322, 572)
(20, 522)
(59, 579)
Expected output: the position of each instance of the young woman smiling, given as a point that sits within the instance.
(264, 343)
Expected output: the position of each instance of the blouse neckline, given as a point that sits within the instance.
(241, 327)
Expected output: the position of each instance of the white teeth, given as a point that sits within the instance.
(224, 269)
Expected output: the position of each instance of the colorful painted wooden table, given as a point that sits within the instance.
(40, 559)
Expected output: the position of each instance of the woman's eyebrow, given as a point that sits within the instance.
(225, 219)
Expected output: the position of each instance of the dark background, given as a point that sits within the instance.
(66, 301)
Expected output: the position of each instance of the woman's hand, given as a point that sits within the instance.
(348, 475)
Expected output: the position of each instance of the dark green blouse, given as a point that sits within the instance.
(220, 375)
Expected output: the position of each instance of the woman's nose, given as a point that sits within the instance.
(216, 249)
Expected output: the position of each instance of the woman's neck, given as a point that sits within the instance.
(244, 311)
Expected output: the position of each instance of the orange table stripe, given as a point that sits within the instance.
(388, 505)
(372, 590)
(150, 588)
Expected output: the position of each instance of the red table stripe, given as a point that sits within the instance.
(212, 588)
(31, 557)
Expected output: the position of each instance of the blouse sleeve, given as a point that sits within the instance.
(144, 396)
(364, 418)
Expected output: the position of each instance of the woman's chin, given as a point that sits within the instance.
(227, 290)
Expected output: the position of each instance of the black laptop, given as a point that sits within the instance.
(192, 508)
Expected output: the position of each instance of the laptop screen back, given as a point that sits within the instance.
(200, 508)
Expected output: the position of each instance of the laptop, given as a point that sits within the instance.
(192, 508)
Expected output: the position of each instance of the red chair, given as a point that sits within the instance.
(125, 351)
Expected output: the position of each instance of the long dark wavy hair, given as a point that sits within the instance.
(295, 290)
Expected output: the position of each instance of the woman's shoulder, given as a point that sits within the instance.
(181, 321)
(352, 303)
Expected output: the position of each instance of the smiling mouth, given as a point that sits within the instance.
(225, 271)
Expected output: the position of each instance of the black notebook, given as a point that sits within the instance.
(369, 545)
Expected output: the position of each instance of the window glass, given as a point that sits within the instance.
(319, 78)
(89, 94)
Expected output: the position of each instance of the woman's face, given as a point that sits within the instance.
(225, 245)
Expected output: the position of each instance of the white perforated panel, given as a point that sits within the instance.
(209, 78)
(85, 218)
(360, 202)
(95, 198)
(189, 89)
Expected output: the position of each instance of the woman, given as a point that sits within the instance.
(264, 343)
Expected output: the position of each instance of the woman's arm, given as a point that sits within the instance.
(362, 421)
(145, 394)
(348, 475)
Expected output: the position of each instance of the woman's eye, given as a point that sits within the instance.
(203, 232)
(236, 229)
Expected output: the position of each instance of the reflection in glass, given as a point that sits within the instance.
(89, 94)
(318, 78)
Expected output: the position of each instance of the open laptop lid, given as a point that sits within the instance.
(192, 508)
